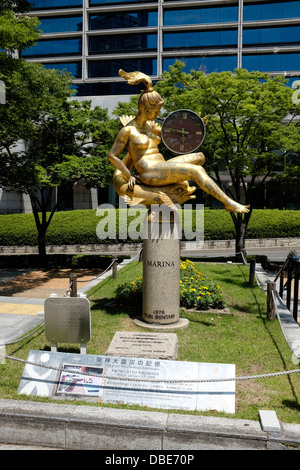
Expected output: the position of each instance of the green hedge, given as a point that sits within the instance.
(79, 227)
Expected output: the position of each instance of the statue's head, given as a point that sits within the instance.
(149, 99)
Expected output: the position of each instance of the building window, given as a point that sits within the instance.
(46, 4)
(200, 15)
(272, 62)
(109, 2)
(61, 24)
(74, 68)
(271, 10)
(206, 64)
(282, 35)
(54, 47)
(110, 68)
(122, 43)
(196, 39)
(123, 19)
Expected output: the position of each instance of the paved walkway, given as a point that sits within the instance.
(23, 293)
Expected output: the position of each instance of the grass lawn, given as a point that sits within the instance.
(246, 338)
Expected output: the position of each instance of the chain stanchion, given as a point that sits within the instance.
(135, 379)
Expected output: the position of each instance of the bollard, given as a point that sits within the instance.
(296, 290)
(271, 292)
(73, 285)
(114, 268)
(252, 272)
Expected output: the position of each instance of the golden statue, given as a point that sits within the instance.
(159, 181)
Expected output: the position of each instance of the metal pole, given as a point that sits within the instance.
(289, 285)
(240, 35)
(296, 290)
(271, 292)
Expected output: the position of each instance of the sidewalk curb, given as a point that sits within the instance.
(129, 248)
(94, 428)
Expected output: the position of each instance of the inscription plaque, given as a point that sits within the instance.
(149, 382)
(151, 345)
(67, 320)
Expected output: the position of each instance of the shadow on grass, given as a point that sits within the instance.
(292, 404)
(110, 307)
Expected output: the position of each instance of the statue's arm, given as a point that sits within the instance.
(116, 150)
(156, 128)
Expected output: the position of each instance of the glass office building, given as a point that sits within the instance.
(93, 39)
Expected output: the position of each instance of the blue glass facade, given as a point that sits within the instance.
(54, 47)
(92, 39)
(201, 15)
(53, 4)
(60, 24)
(114, 20)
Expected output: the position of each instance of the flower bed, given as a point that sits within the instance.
(196, 291)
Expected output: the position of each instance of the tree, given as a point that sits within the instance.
(17, 31)
(252, 125)
(65, 140)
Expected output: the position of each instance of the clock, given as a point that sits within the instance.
(183, 131)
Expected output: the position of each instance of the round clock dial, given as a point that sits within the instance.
(183, 131)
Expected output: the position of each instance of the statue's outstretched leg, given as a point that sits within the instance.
(176, 170)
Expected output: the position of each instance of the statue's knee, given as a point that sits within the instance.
(202, 158)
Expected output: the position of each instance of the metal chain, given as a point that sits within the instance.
(135, 379)
(25, 337)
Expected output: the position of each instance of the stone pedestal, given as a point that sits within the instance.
(161, 267)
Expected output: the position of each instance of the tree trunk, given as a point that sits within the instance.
(241, 222)
(42, 245)
(240, 233)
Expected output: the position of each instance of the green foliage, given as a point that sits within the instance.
(130, 293)
(17, 32)
(79, 227)
(18, 6)
(197, 291)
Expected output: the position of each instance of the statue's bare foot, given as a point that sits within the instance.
(236, 207)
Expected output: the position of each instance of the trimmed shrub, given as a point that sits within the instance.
(80, 227)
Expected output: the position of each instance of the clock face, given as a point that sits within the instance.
(183, 131)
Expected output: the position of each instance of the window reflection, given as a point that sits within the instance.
(207, 64)
(112, 20)
(74, 68)
(201, 15)
(182, 40)
(45, 4)
(107, 88)
(109, 2)
(122, 43)
(282, 35)
(272, 10)
(110, 68)
(54, 47)
(271, 62)
(61, 24)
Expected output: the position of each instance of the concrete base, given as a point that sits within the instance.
(75, 427)
(179, 325)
